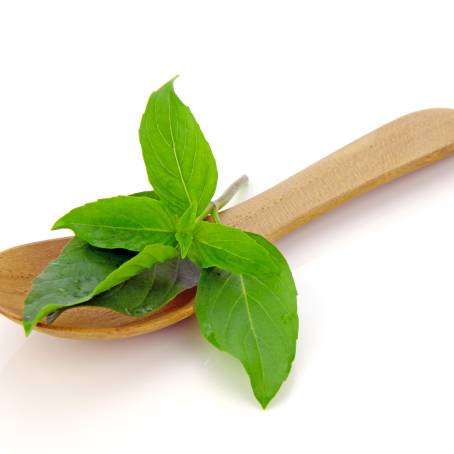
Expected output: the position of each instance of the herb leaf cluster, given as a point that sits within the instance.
(134, 254)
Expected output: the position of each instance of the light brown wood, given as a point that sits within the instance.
(396, 149)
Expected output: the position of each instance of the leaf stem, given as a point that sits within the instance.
(215, 214)
(225, 197)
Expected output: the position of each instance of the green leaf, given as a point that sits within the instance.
(82, 272)
(150, 194)
(185, 227)
(254, 318)
(179, 161)
(149, 256)
(121, 222)
(70, 279)
(230, 249)
(150, 290)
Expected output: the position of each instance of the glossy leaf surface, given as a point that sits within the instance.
(82, 272)
(70, 279)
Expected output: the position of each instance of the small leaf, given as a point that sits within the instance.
(121, 222)
(254, 318)
(70, 279)
(185, 227)
(150, 290)
(230, 249)
(179, 161)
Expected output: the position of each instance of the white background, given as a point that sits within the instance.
(275, 87)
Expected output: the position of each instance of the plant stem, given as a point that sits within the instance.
(225, 198)
(229, 193)
(215, 214)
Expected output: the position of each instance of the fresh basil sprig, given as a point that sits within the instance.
(134, 254)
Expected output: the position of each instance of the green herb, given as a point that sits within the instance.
(185, 227)
(253, 318)
(180, 165)
(134, 254)
(150, 290)
(230, 249)
(69, 280)
(121, 222)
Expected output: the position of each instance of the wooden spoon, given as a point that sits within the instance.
(398, 148)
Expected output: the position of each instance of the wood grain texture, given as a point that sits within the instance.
(398, 148)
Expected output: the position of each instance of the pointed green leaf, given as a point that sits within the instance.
(150, 290)
(179, 161)
(121, 222)
(82, 272)
(185, 227)
(70, 279)
(230, 249)
(145, 259)
(254, 318)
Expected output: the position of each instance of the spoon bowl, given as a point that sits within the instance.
(398, 148)
(19, 266)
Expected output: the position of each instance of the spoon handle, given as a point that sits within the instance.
(395, 149)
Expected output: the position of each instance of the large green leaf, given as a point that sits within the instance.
(231, 249)
(70, 279)
(82, 272)
(121, 222)
(254, 318)
(180, 165)
(150, 290)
